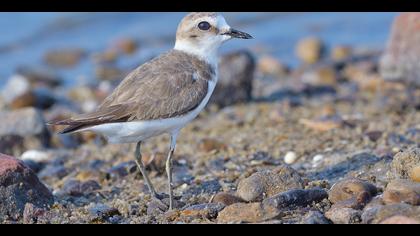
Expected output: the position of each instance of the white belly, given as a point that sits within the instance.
(135, 131)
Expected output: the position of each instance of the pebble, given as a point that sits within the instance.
(344, 215)
(290, 158)
(64, 57)
(19, 186)
(315, 218)
(400, 220)
(247, 213)
(268, 65)
(40, 76)
(38, 98)
(268, 183)
(415, 174)
(205, 210)
(321, 125)
(36, 156)
(209, 145)
(310, 50)
(226, 199)
(296, 198)
(317, 159)
(381, 213)
(77, 188)
(351, 187)
(15, 86)
(101, 211)
(31, 214)
(27, 123)
(323, 76)
(341, 53)
(402, 191)
(403, 163)
(53, 172)
(205, 187)
(126, 45)
(121, 170)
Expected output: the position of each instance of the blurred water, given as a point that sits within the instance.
(27, 36)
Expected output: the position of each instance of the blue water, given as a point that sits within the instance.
(27, 36)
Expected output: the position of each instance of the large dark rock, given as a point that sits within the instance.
(19, 185)
(236, 73)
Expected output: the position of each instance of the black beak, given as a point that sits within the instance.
(238, 34)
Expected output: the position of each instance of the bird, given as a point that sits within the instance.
(164, 94)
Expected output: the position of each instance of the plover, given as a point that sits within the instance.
(165, 94)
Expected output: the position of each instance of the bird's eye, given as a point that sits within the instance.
(204, 25)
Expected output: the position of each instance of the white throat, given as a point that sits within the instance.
(208, 54)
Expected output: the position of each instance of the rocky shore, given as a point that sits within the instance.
(333, 141)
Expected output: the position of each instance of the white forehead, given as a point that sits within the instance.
(216, 20)
(221, 22)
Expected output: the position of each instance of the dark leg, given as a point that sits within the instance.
(169, 168)
(142, 169)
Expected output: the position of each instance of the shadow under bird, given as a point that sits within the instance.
(165, 94)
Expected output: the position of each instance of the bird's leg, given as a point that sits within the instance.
(142, 169)
(169, 168)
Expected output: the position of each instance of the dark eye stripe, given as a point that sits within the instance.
(204, 25)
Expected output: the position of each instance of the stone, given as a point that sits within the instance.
(77, 188)
(343, 215)
(296, 198)
(53, 172)
(247, 213)
(31, 214)
(290, 158)
(310, 50)
(25, 127)
(121, 170)
(226, 199)
(267, 183)
(315, 218)
(40, 76)
(321, 125)
(415, 174)
(236, 75)
(19, 185)
(15, 86)
(38, 98)
(401, 60)
(205, 187)
(64, 58)
(322, 76)
(402, 191)
(208, 145)
(268, 65)
(400, 220)
(341, 53)
(101, 211)
(205, 210)
(349, 188)
(126, 45)
(381, 213)
(403, 163)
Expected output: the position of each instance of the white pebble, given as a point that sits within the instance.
(34, 155)
(15, 86)
(290, 158)
(318, 158)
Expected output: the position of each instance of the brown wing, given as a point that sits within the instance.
(168, 86)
